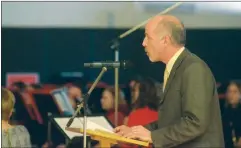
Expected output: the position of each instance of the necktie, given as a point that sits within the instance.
(166, 74)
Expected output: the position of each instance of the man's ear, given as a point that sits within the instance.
(167, 39)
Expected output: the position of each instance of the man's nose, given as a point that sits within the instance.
(144, 42)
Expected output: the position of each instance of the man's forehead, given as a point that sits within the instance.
(149, 27)
(146, 29)
(152, 23)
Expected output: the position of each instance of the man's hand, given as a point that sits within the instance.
(135, 132)
(122, 130)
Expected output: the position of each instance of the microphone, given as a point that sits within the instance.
(112, 64)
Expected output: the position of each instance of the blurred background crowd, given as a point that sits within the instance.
(44, 46)
(138, 105)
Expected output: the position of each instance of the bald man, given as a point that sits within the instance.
(189, 114)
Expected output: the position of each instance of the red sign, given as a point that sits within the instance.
(27, 78)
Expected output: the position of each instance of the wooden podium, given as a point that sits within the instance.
(107, 139)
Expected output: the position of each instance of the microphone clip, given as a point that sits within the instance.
(115, 44)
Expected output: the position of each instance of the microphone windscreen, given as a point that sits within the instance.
(127, 64)
(87, 64)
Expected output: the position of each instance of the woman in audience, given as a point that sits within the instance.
(232, 115)
(12, 136)
(130, 85)
(108, 103)
(144, 104)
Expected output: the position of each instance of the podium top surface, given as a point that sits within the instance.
(108, 136)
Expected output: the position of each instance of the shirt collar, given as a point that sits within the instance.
(171, 62)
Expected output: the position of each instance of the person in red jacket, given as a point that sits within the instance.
(144, 105)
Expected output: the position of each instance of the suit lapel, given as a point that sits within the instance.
(173, 72)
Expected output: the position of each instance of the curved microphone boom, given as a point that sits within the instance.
(143, 23)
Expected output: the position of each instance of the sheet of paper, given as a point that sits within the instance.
(60, 96)
(92, 123)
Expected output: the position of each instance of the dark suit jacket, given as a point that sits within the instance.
(189, 114)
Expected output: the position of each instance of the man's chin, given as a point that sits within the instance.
(152, 60)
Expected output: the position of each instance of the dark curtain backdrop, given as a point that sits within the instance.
(51, 51)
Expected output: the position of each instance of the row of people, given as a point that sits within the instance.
(143, 110)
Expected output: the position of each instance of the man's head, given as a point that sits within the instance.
(164, 35)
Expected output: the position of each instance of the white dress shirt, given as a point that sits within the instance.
(170, 64)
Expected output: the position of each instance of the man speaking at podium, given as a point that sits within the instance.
(189, 114)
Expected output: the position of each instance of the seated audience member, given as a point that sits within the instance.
(19, 86)
(130, 86)
(232, 115)
(144, 103)
(12, 136)
(135, 79)
(108, 104)
(24, 89)
(75, 93)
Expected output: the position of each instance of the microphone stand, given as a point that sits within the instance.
(104, 69)
(115, 46)
(85, 101)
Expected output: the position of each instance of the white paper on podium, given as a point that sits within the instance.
(93, 123)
